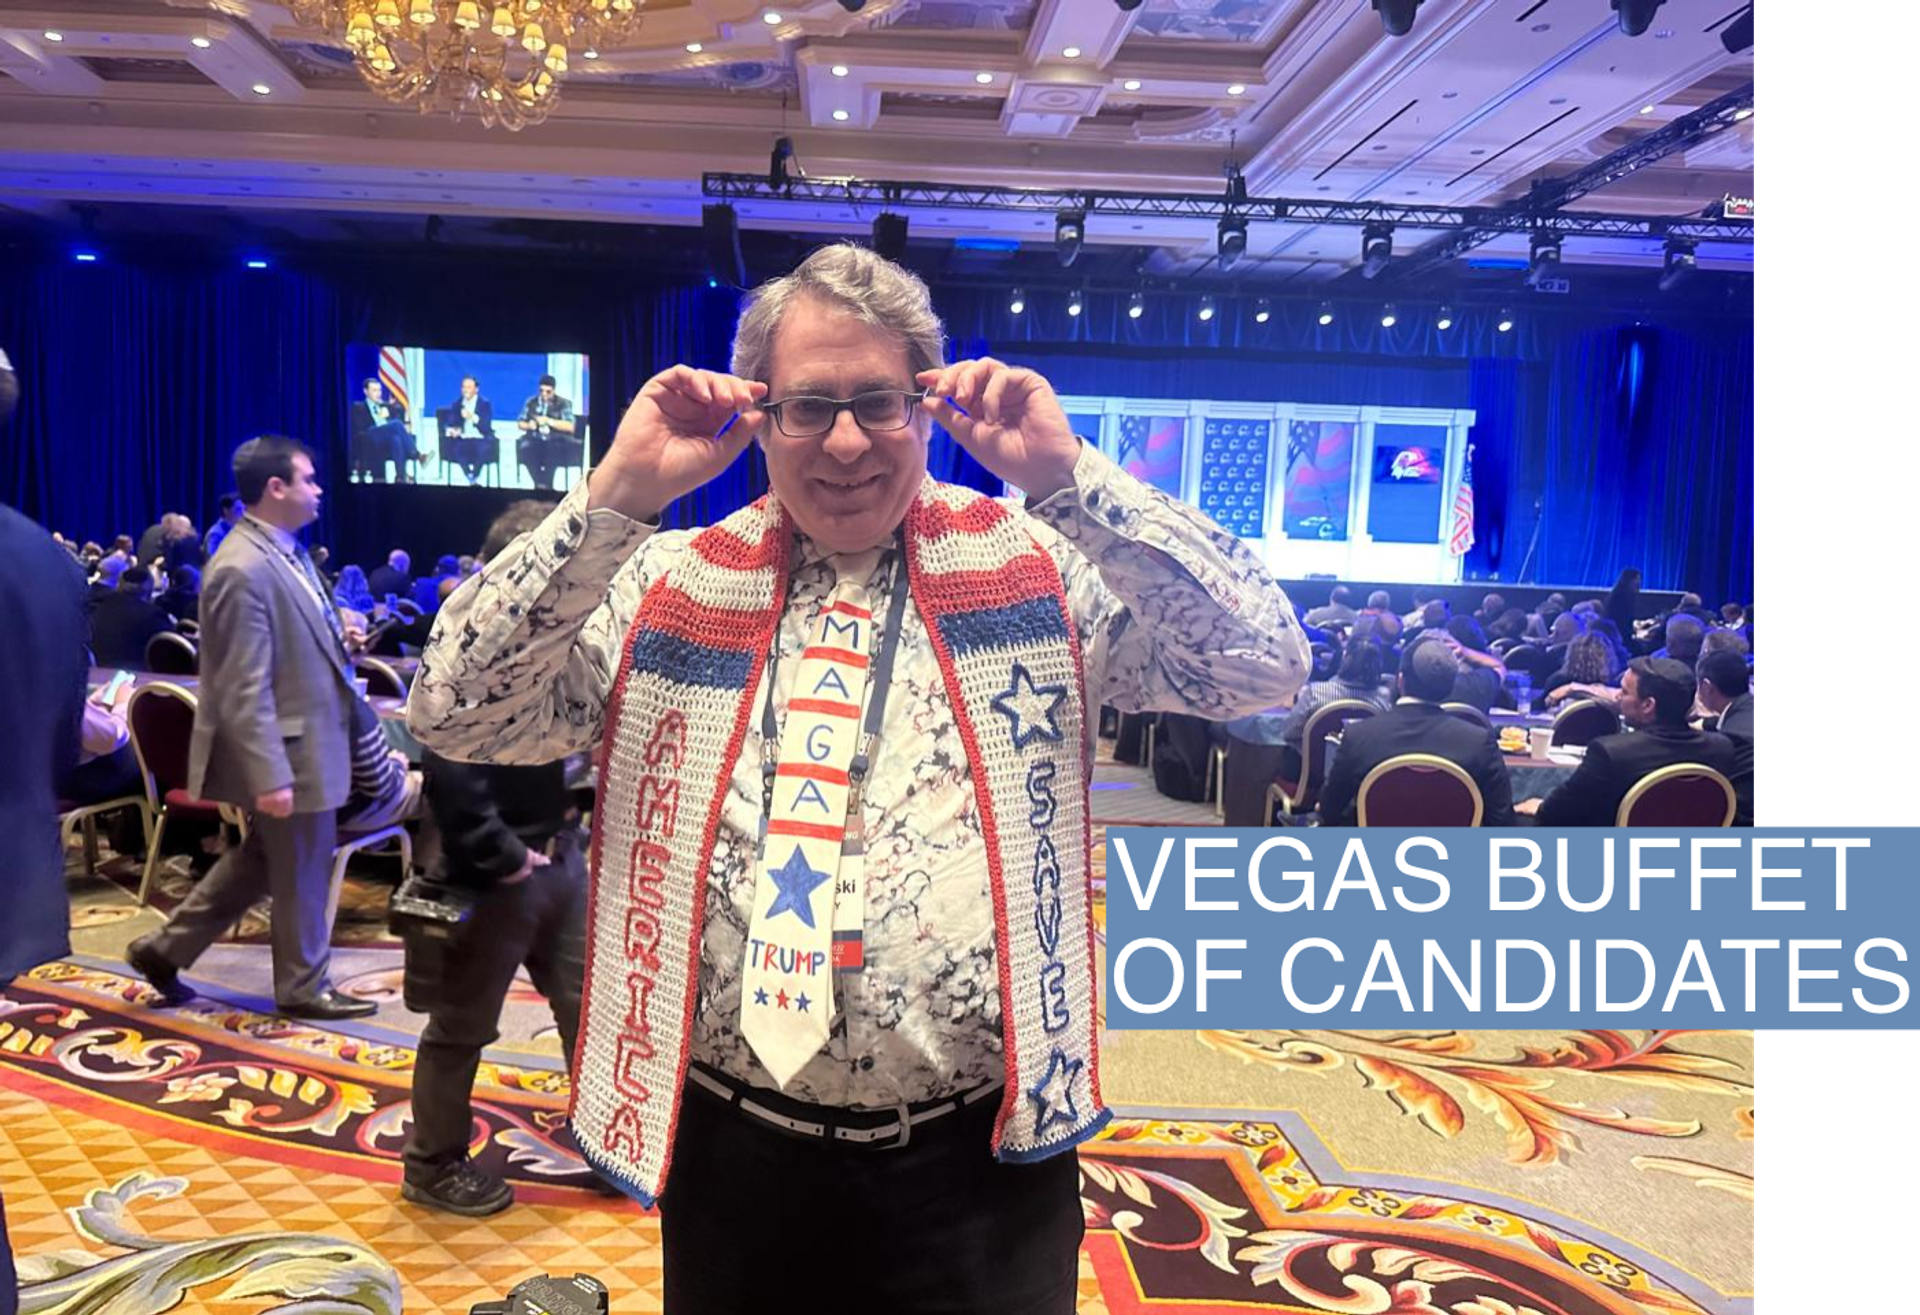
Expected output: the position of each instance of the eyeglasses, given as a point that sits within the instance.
(809, 417)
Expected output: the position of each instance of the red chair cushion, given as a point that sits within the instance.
(181, 804)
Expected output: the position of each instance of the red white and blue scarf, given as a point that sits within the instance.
(997, 615)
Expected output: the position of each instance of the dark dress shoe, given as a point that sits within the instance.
(162, 976)
(462, 1188)
(330, 1005)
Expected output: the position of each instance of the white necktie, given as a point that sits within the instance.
(786, 987)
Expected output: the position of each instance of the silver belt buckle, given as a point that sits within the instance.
(906, 1127)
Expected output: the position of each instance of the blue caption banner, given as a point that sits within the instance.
(1242, 927)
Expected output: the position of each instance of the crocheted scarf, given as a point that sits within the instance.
(996, 612)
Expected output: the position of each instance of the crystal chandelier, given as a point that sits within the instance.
(499, 59)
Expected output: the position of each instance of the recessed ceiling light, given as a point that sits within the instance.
(1646, 109)
(202, 43)
(589, 53)
(1746, 113)
(839, 70)
(983, 78)
(771, 17)
(1237, 89)
(1071, 52)
(694, 47)
(841, 116)
(262, 89)
(53, 36)
(1131, 84)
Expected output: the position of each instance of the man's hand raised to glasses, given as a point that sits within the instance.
(669, 442)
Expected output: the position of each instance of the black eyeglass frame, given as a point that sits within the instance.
(777, 410)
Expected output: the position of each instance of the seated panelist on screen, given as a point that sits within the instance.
(475, 416)
(545, 415)
(378, 435)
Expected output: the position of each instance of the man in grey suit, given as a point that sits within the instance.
(273, 736)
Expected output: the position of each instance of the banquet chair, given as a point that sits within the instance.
(1326, 661)
(169, 654)
(1420, 789)
(85, 816)
(1685, 794)
(382, 680)
(1290, 797)
(1468, 713)
(190, 628)
(1582, 721)
(161, 715)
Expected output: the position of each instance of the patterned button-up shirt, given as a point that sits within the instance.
(1173, 614)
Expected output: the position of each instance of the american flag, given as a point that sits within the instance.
(1463, 511)
(393, 374)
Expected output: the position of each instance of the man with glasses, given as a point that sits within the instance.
(841, 941)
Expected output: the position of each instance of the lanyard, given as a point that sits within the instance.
(876, 702)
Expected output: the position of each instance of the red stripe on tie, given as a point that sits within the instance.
(844, 656)
(813, 772)
(850, 610)
(826, 706)
(849, 954)
(812, 830)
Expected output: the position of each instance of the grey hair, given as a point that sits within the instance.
(870, 287)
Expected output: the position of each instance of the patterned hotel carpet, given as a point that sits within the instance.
(236, 1162)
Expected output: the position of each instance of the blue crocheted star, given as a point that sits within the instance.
(1054, 1092)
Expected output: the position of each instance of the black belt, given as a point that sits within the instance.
(830, 1123)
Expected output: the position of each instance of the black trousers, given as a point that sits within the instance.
(539, 922)
(756, 1219)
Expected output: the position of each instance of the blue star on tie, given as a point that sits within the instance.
(802, 1002)
(1054, 1092)
(1029, 708)
(759, 996)
(796, 881)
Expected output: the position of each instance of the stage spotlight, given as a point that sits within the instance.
(1076, 301)
(1069, 234)
(1127, 6)
(255, 262)
(1636, 16)
(890, 236)
(1678, 265)
(853, 6)
(86, 257)
(1396, 15)
(1233, 241)
(1136, 305)
(1505, 324)
(1445, 321)
(1207, 307)
(1376, 249)
(1389, 316)
(1738, 35)
(1326, 313)
(1262, 311)
(1018, 301)
(1543, 257)
(720, 231)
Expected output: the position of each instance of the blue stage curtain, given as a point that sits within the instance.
(1648, 454)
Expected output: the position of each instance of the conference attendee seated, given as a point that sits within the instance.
(394, 578)
(1586, 672)
(1418, 724)
(1387, 624)
(1723, 693)
(1432, 619)
(351, 592)
(1685, 636)
(427, 592)
(1491, 609)
(1361, 667)
(181, 601)
(1725, 690)
(106, 579)
(1542, 619)
(106, 767)
(1655, 697)
(1483, 676)
(1337, 611)
(1726, 641)
(1510, 624)
(124, 620)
